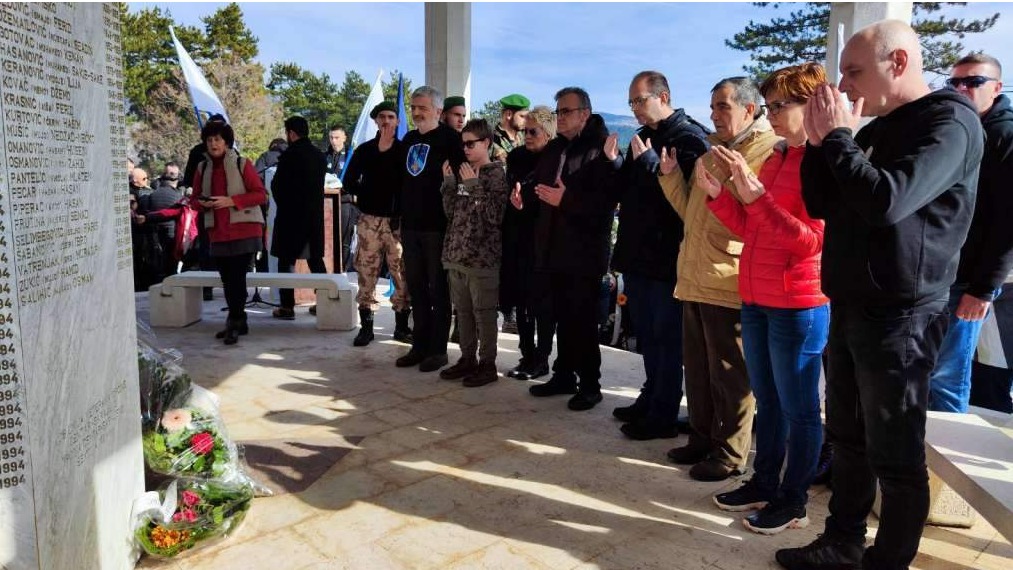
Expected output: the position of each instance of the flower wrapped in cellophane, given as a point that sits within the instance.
(187, 513)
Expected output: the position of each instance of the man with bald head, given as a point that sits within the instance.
(897, 197)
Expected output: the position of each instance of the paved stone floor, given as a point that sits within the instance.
(430, 474)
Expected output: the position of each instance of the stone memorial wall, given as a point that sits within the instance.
(70, 455)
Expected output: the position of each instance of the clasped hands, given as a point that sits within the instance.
(827, 110)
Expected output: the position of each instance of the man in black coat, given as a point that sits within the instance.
(298, 191)
(647, 249)
(577, 203)
(987, 256)
(897, 197)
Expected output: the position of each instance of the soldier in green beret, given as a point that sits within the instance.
(509, 133)
(454, 113)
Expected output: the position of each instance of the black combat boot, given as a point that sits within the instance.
(365, 327)
(401, 331)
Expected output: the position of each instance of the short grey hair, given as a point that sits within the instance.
(746, 92)
(657, 83)
(434, 94)
(585, 99)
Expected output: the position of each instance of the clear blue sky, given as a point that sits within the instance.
(536, 48)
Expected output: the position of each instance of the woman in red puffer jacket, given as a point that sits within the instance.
(785, 316)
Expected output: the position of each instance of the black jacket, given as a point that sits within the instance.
(163, 197)
(519, 229)
(422, 176)
(574, 237)
(193, 160)
(298, 191)
(375, 178)
(897, 200)
(987, 256)
(649, 229)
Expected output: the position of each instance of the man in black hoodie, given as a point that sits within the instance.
(577, 201)
(423, 227)
(647, 249)
(897, 198)
(987, 255)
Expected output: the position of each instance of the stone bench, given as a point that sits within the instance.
(177, 301)
(973, 454)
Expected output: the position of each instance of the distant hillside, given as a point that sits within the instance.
(625, 125)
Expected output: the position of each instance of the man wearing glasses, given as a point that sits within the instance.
(576, 204)
(647, 249)
(987, 256)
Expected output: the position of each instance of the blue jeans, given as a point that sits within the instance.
(657, 321)
(950, 382)
(783, 350)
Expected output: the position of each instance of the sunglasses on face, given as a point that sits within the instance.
(564, 111)
(471, 144)
(532, 132)
(971, 81)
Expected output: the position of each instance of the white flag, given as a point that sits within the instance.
(201, 93)
(365, 128)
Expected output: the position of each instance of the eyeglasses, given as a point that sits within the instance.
(471, 144)
(970, 82)
(638, 101)
(564, 111)
(776, 107)
(532, 132)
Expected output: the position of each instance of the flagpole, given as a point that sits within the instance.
(200, 124)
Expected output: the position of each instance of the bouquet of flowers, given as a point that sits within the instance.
(189, 442)
(187, 512)
(164, 384)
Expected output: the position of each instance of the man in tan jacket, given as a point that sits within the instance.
(717, 386)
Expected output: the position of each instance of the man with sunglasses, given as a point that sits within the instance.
(575, 189)
(987, 255)
(647, 248)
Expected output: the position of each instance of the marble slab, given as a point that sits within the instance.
(70, 454)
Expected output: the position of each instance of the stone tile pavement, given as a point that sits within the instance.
(435, 475)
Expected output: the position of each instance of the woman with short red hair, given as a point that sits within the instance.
(785, 316)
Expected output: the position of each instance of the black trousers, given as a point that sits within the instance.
(349, 218)
(232, 270)
(574, 300)
(287, 265)
(534, 313)
(429, 290)
(877, 395)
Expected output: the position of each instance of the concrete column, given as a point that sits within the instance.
(448, 48)
(855, 16)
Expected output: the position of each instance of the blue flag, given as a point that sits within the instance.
(402, 119)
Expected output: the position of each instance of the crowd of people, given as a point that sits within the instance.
(787, 240)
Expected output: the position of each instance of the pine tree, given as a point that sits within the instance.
(802, 36)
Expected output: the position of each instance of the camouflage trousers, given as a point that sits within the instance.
(376, 240)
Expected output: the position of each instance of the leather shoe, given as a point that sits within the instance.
(484, 374)
(554, 387)
(460, 369)
(642, 431)
(433, 362)
(712, 469)
(687, 455)
(584, 401)
(413, 358)
(284, 314)
(629, 414)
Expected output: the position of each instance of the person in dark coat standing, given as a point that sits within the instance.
(987, 256)
(576, 206)
(298, 190)
(647, 249)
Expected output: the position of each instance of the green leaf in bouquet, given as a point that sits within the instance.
(198, 464)
(217, 516)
